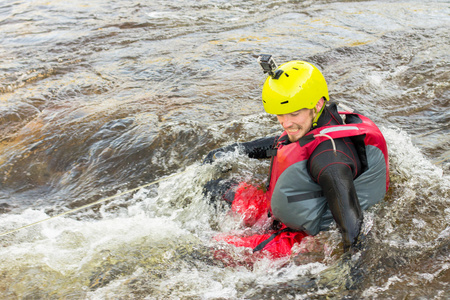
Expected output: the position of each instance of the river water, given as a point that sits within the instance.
(100, 97)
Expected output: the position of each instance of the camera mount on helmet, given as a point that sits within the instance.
(268, 65)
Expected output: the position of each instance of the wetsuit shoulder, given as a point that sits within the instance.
(324, 156)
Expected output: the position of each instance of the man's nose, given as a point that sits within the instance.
(286, 122)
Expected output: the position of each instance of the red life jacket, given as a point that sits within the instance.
(297, 201)
(250, 203)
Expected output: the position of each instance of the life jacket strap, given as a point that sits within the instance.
(267, 241)
(271, 152)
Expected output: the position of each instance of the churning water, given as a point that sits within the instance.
(100, 97)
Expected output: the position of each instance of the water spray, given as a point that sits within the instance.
(92, 204)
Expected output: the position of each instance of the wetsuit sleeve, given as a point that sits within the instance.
(335, 173)
(254, 149)
(258, 148)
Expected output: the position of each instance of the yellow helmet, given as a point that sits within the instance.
(296, 85)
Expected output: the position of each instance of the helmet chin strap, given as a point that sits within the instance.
(316, 118)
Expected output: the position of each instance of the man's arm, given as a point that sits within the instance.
(254, 149)
(335, 173)
(337, 184)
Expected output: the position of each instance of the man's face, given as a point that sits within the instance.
(297, 124)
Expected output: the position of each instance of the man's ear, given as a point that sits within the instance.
(320, 104)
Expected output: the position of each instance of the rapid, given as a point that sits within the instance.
(101, 97)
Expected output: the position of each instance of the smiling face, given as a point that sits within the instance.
(298, 123)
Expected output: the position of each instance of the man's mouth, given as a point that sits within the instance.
(292, 130)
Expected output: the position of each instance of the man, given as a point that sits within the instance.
(325, 166)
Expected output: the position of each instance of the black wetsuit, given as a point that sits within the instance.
(334, 172)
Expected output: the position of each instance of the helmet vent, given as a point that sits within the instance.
(285, 102)
(287, 75)
(295, 69)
